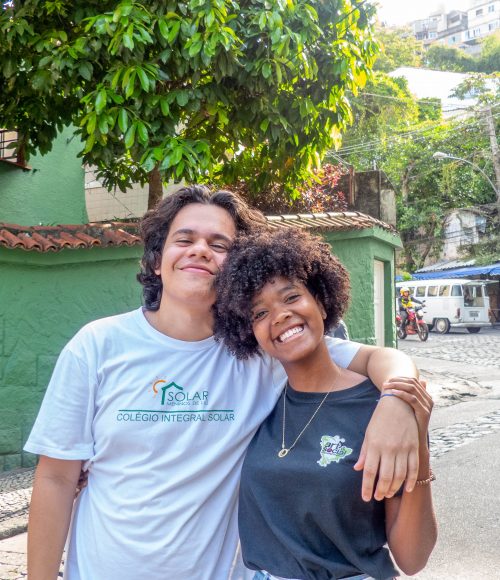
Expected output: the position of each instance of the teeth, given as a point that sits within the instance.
(289, 333)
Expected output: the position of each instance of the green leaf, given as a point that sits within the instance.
(123, 120)
(85, 69)
(264, 125)
(142, 133)
(129, 91)
(177, 155)
(182, 98)
(103, 124)
(164, 30)
(179, 169)
(130, 136)
(266, 70)
(165, 108)
(143, 78)
(128, 38)
(174, 31)
(195, 48)
(100, 101)
(91, 123)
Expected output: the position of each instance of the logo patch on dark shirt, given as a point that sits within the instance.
(333, 450)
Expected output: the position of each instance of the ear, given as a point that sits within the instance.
(321, 308)
(157, 269)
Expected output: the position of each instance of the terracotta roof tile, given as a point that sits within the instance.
(56, 238)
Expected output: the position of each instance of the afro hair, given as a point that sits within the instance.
(256, 259)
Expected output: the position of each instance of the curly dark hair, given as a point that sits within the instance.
(256, 259)
(155, 225)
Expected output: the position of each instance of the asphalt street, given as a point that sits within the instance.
(465, 444)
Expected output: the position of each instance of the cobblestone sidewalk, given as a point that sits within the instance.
(15, 494)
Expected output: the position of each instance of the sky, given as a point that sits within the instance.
(397, 12)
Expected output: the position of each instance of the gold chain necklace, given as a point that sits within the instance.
(284, 451)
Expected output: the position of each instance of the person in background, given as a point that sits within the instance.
(301, 514)
(406, 301)
(339, 331)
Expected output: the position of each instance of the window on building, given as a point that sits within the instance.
(444, 291)
(456, 290)
(432, 291)
(420, 291)
(8, 147)
(479, 11)
(491, 8)
(432, 35)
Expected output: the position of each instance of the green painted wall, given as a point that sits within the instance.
(51, 192)
(44, 300)
(357, 250)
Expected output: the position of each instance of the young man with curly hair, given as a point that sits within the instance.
(159, 414)
(300, 512)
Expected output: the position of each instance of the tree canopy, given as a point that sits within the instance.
(399, 47)
(221, 90)
(399, 135)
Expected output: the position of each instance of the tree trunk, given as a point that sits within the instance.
(405, 185)
(155, 188)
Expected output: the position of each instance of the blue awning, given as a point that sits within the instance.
(491, 270)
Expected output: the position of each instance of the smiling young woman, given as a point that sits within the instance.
(301, 512)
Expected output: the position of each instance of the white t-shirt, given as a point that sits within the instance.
(163, 425)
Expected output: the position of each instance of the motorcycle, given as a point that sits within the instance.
(415, 324)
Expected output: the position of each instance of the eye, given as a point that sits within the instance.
(292, 297)
(219, 247)
(258, 315)
(183, 241)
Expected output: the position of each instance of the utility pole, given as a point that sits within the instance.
(495, 155)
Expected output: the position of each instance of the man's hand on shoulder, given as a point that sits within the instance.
(390, 450)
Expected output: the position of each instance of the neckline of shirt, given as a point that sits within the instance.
(196, 345)
(308, 397)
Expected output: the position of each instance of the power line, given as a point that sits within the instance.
(393, 137)
(418, 101)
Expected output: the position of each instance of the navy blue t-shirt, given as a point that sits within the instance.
(302, 516)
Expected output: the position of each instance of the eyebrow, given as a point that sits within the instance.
(190, 232)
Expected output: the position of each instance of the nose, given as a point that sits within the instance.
(282, 315)
(201, 249)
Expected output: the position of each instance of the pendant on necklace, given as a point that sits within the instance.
(283, 452)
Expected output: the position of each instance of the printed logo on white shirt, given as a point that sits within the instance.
(169, 402)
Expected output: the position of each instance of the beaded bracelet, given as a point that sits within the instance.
(431, 477)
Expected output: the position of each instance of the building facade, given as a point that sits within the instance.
(460, 29)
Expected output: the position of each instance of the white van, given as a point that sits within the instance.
(451, 303)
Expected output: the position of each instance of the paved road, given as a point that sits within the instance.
(465, 443)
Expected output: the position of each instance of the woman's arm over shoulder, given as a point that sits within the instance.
(410, 519)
